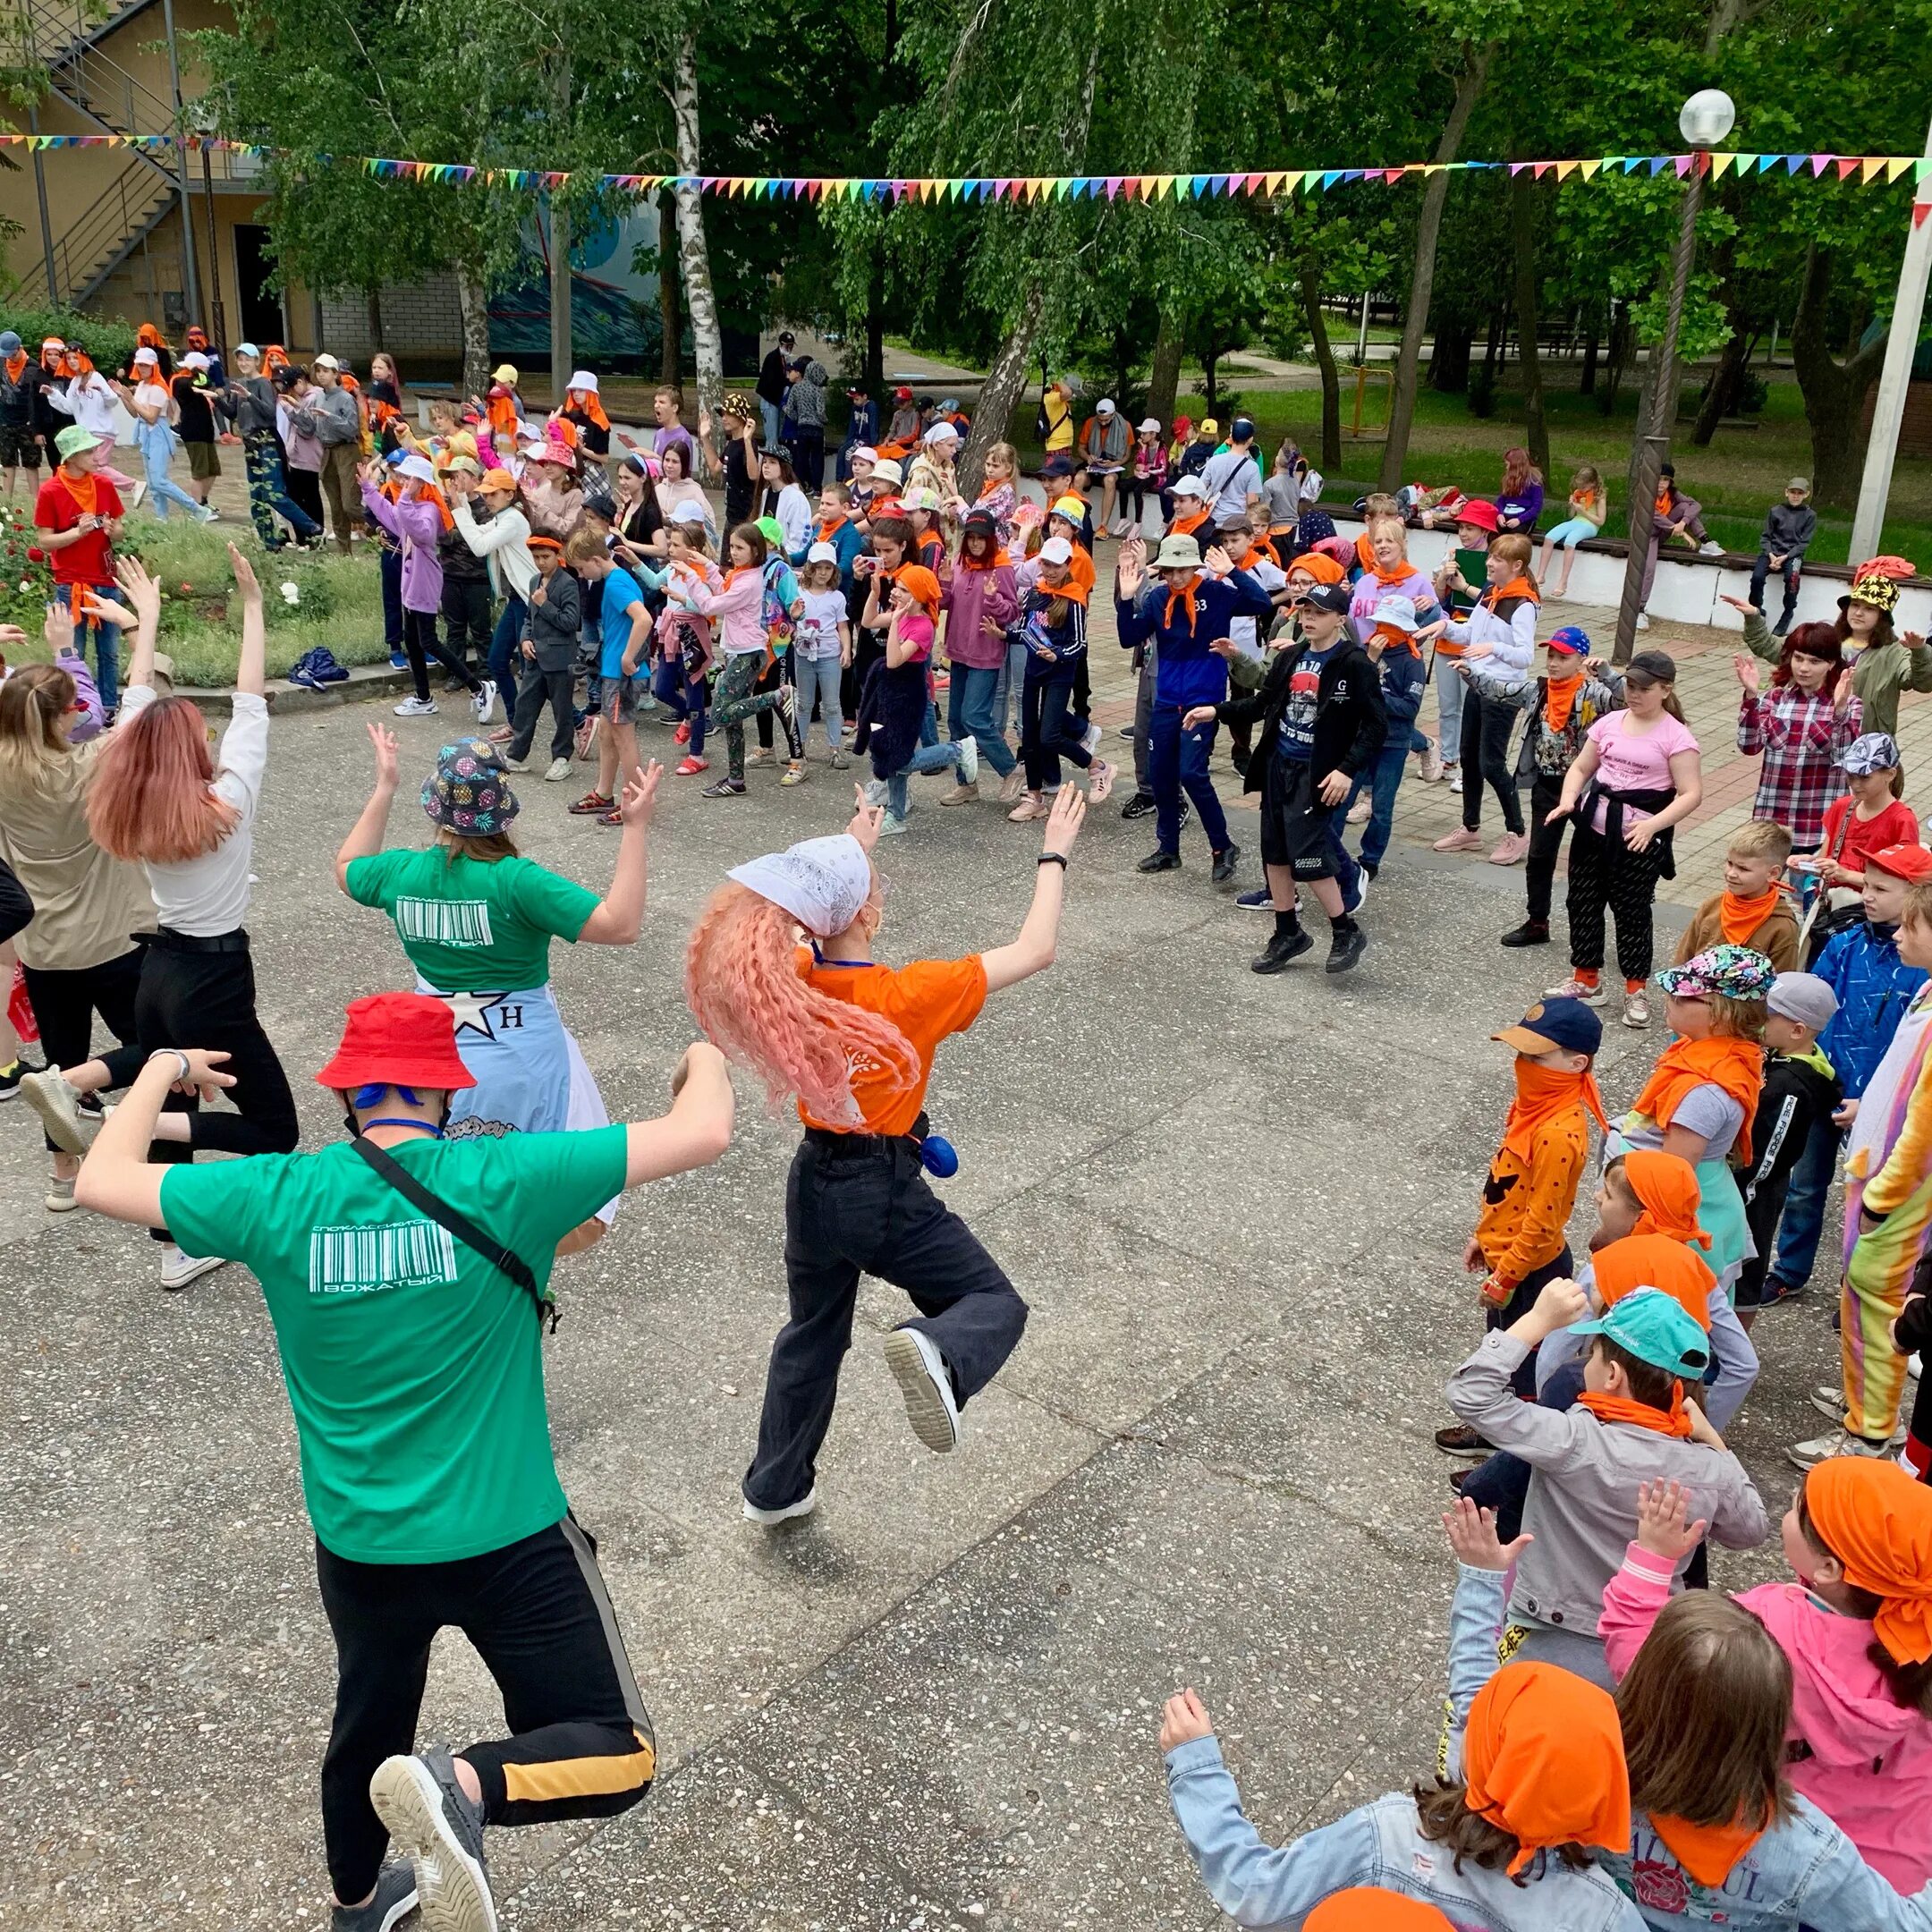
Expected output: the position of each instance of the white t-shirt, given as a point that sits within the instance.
(1245, 633)
(817, 632)
(207, 896)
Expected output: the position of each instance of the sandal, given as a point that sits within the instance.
(591, 804)
(690, 766)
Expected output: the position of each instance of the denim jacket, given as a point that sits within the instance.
(1805, 1872)
(1377, 1844)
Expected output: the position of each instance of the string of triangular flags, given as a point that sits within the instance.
(1865, 169)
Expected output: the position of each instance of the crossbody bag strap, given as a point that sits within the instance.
(504, 1260)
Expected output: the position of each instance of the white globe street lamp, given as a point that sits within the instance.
(1707, 117)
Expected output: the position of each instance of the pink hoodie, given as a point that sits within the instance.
(1868, 1760)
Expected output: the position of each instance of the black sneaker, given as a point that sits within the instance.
(1161, 861)
(11, 1076)
(1282, 948)
(434, 1826)
(1461, 1439)
(394, 1901)
(1776, 1289)
(725, 788)
(1140, 806)
(1531, 932)
(1346, 949)
(1224, 862)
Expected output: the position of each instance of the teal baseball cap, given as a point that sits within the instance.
(1653, 1327)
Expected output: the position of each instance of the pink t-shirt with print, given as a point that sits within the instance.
(1636, 759)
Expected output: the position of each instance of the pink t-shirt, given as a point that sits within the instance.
(1636, 759)
(915, 630)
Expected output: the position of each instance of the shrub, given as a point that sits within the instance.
(111, 343)
(26, 569)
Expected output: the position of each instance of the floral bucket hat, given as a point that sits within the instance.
(1734, 972)
(467, 792)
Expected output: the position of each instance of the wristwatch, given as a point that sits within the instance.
(1053, 858)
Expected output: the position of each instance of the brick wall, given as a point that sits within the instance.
(424, 318)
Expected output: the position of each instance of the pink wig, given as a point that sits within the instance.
(743, 980)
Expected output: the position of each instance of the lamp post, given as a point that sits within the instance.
(1706, 118)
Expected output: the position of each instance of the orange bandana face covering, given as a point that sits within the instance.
(1734, 1064)
(1544, 1094)
(1638, 1414)
(1708, 1853)
(1876, 1520)
(1370, 1909)
(1740, 917)
(1559, 700)
(1666, 1190)
(1543, 1759)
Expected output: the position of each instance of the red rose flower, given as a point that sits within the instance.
(37, 556)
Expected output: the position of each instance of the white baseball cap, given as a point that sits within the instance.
(1104, 407)
(865, 453)
(324, 362)
(1057, 550)
(248, 349)
(1152, 423)
(1189, 486)
(822, 883)
(688, 513)
(194, 359)
(146, 356)
(821, 553)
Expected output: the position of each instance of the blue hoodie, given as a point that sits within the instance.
(1862, 965)
(1187, 672)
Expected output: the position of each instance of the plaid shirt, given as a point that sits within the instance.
(1803, 739)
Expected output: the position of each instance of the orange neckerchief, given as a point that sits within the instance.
(432, 493)
(1659, 1262)
(590, 402)
(988, 489)
(1640, 1415)
(85, 490)
(1261, 546)
(1559, 700)
(1185, 526)
(16, 366)
(1739, 918)
(1708, 1853)
(755, 570)
(1516, 587)
(1663, 503)
(1542, 1095)
(835, 520)
(1735, 1065)
(966, 560)
(1185, 597)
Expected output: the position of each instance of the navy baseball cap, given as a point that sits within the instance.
(1553, 1023)
(1571, 641)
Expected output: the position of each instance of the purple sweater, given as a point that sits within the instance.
(1519, 511)
(970, 595)
(418, 522)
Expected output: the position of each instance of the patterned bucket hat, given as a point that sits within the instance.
(1736, 971)
(466, 793)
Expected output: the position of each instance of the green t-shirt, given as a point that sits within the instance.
(472, 925)
(414, 1368)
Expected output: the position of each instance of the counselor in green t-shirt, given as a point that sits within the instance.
(413, 1366)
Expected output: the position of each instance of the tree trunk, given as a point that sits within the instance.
(874, 327)
(1449, 361)
(1718, 397)
(1164, 375)
(1588, 385)
(1001, 390)
(670, 309)
(563, 351)
(375, 320)
(1210, 363)
(1310, 282)
(1422, 277)
(1522, 223)
(695, 257)
(472, 301)
(1833, 391)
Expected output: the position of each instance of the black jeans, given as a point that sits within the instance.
(1546, 841)
(1521, 1301)
(1625, 882)
(1502, 1483)
(539, 1616)
(1047, 732)
(866, 1209)
(1486, 725)
(420, 643)
(467, 617)
(1760, 572)
(559, 688)
(64, 1004)
(808, 456)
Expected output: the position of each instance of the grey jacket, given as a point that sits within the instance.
(552, 626)
(255, 407)
(1582, 1503)
(335, 416)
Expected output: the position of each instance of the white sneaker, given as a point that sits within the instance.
(178, 1269)
(927, 1383)
(1591, 996)
(1710, 548)
(874, 791)
(1432, 763)
(768, 1518)
(485, 702)
(1643, 620)
(1360, 811)
(208, 516)
(1455, 777)
(890, 826)
(1808, 1455)
(59, 1197)
(1091, 739)
(969, 761)
(560, 769)
(417, 708)
(58, 1105)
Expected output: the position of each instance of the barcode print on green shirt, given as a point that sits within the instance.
(451, 922)
(365, 1260)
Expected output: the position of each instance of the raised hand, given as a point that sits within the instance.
(1472, 1537)
(1741, 603)
(1746, 667)
(94, 605)
(58, 629)
(639, 798)
(388, 770)
(867, 819)
(139, 587)
(1218, 562)
(1064, 822)
(246, 581)
(1663, 1525)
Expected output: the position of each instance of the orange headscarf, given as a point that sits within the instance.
(588, 402)
(1740, 917)
(1370, 1909)
(1876, 1520)
(1621, 1267)
(1666, 1190)
(273, 357)
(502, 410)
(1543, 1094)
(1736, 1065)
(148, 336)
(1316, 563)
(920, 585)
(1543, 1759)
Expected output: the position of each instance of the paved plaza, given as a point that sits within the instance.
(1236, 1206)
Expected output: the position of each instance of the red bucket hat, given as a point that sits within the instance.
(397, 1039)
(1481, 513)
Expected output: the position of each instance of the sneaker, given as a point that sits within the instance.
(1576, 989)
(67, 1126)
(1711, 547)
(440, 1831)
(794, 772)
(560, 769)
(59, 1197)
(613, 818)
(484, 701)
(762, 755)
(874, 791)
(1260, 900)
(840, 762)
(1643, 620)
(689, 767)
(591, 805)
(417, 708)
(209, 514)
(1160, 860)
(1636, 1010)
(1776, 1289)
(394, 1901)
(1364, 878)
(969, 761)
(1531, 932)
(1511, 849)
(516, 764)
(1012, 784)
(1454, 775)
(891, 826)
(725, 788)
(1829, 1399)
(1839, 1442)
(1091, 738)
(1461, 840)
(1462, 1440)
(1432, 763)
(12, 1077)
(961, 794)
(1140, 806)
(1126, 732)
(584, 738)
(770, 1518)
(504, 734)
(1032, 806)
(927, 1383)
(1100, 777)
(1224, 862)
(1346, 949)
(178, 1269)
(398, 659)
(1360, 811)
(1281, 948)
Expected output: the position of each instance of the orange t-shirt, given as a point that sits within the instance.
(926, 1001)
